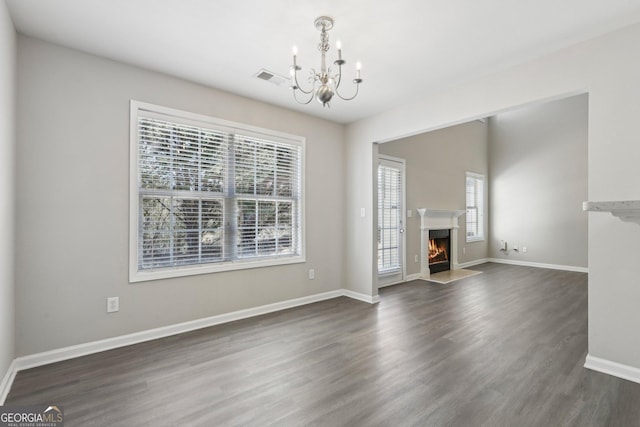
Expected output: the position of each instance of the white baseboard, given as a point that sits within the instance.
(411, 277)
(361, 297)
(472, 263)
(71, 352)
(539, 265)
(619, 370)
(7, 382)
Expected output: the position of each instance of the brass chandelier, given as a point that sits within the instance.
(323, 84)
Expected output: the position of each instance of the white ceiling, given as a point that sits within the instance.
(408, 48)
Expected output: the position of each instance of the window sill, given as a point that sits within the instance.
(173, 272)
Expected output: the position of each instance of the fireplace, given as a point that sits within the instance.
(438, 250)
(438, 237)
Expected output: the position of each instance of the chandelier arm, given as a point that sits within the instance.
(357, 83)
(297, 85)
(338, 78)
(302, 102)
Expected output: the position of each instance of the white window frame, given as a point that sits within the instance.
(478, 206)
(138, 109)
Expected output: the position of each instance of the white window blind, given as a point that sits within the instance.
(475, 206)
(210, 196)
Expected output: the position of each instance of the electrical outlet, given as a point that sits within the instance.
(524, 249)
(113, 304)
(312, 273)
(464, 250)
(416, 258)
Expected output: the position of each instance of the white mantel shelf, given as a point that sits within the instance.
(440, 212)
(439, 218)
(627, 210)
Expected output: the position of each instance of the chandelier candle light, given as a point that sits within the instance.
(324, 85)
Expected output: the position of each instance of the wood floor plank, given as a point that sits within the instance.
(502, 348)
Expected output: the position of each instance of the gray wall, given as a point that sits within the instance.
(538, 169)
(72, 181)
(7, 185)
(436, 163)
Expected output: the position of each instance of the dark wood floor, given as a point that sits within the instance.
(502, 348)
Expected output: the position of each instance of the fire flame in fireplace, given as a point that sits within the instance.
(437, 251)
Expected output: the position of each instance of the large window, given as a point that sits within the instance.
(209, 195)
(475, 207)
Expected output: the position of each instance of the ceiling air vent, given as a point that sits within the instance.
(271, 77)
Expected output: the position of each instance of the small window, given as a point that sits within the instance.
(475, 207)
(209, 195)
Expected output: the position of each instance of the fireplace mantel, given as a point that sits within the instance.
(628, 210)
(433, 219)
(438, 219)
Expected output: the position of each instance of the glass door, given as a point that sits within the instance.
(391, 262)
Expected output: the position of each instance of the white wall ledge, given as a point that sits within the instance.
(627, 210)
